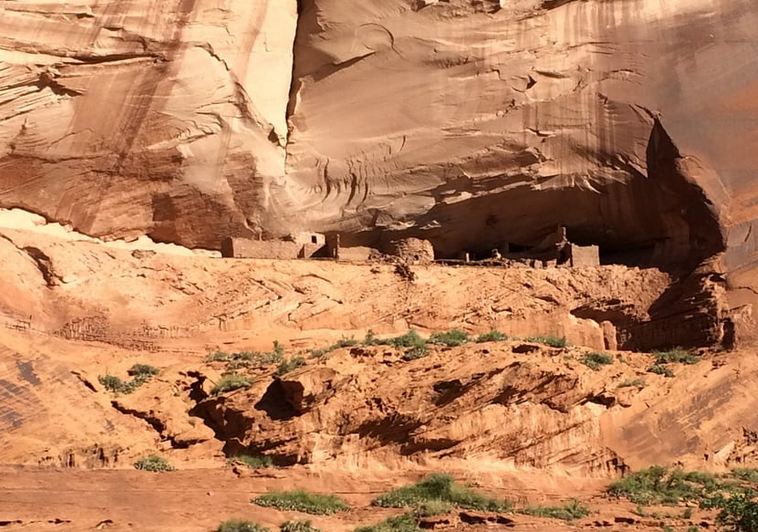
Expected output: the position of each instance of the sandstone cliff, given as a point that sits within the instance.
(472, 122)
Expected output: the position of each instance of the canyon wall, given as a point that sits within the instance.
(468, 122)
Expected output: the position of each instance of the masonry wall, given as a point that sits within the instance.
(585, 256)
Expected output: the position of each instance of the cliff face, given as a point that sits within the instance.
(470, 122)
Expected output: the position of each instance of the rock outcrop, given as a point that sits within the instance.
(467, 123)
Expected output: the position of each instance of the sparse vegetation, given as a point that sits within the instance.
(552, 341)
(451, 338)
(748, 474)
(661, 369)
(229, 383)
(412, 344)
(595, 360)
(302, 501)
(441, 488)
(259, 461)
(492, 336)
(290, 365)
(568, 512)
(661, 485)
(153, 463)
(144, 371)
(632, 383)
(738, 510)
(235, 525)
(141, 373)
(401, 523)
(675, 356)
(298, 526)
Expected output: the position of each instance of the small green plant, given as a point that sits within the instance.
(260, 461)
(229, 383)
(290, 365)
(415, 353)
(433, 507)
(660, 369)
(661, 485)
(451, 338)
(568, 512)
(143, 371)
(632, 383)
(401, 523)
(117, 385)
(492, 336)
(440, 487)
(552, 341)
(153, 463)
(235, 525)
(594, 361)
(302, 501)
(370, 338)
(298, 526)
(675, 356)
(748, 474)
(218, 356)
(687, 513)
(412, 344)
(738, 510)
(278, 349)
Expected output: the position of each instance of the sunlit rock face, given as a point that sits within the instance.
(473, 123)
(470, 123)
(136, 117)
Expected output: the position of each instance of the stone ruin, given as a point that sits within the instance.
(297, 246)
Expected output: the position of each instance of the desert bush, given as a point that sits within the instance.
(230, 382)
(677, 355)
(440, 487)
(298, 526)
(235, 525)
(401, 523)
(259, 461)
(738, 510)
(143, 371)
(632, 383)
(595, 360)
(661, 485)
(290, 365)
(117, 385)
(568, 512)
(451, 338)
(749, 474)
(492, 336)
(552, 341)
(661, 369)
(302, 501)
(153, 463)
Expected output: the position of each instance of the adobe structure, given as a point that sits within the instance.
(298, 246)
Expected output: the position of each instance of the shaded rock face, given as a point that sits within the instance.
(467, 123)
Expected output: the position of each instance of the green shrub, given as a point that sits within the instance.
(738, 510)
(143, 370)
(661, 485)
(439, 487)
(290, 365)
(218, 356)
(492, 336)
(552, 341)
(568, 512)
(748, 474)
(415, 353)
(302, 501)
(660, 369)
(260, 461)
(153, 463)
(632, 383)
(235, 525)
(401, 523)
(278, 349)
(229, 383)
(673, 356)
(116, 385)
(433, 507)
(370, 338)
(595, 360)
(451, 338)
(298, 526)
